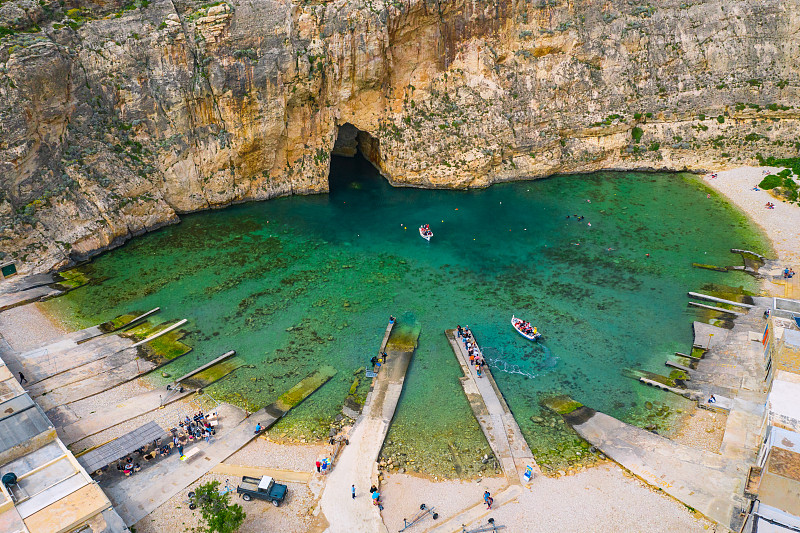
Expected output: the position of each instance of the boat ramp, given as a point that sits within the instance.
(494, 416)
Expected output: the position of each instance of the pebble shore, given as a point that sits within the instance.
(600, 499)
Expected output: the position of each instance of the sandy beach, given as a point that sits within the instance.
(781, 225)
(599, 499)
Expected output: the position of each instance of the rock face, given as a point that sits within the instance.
(116, 118)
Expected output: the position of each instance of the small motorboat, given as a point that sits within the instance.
(425, 232)
(525, 329)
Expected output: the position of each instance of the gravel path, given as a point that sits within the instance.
(600, 499)
(267, 453)
(702, 429)
(26, 326)
(402, 494)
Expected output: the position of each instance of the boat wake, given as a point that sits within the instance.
(497, 361)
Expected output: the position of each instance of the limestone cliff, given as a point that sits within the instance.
(117, 117)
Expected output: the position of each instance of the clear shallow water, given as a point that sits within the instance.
(331, 268)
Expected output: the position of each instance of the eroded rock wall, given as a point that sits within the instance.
(115, 118)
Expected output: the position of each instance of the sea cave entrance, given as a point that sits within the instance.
(355, 153)
(351, 140)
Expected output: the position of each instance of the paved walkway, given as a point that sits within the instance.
(357, 464)
(279, 474)
(82, 372)
(66, 354)
(494, 416)
(14, 299)
(80, 428)
(710, 483)
(94, 384)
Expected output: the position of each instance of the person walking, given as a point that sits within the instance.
(318, 466)
(22, 378)
(353, 491)
(180, 450)
(487, 497)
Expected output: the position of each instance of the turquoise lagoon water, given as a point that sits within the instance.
(296, 282)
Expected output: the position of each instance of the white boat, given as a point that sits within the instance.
(517, 323)
(425, 233)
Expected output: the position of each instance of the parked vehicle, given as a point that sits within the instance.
(264, 489)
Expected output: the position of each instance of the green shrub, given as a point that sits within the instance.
(218, 514)
(637, 133)
(654, 146)
(721, 119)
(770, 182)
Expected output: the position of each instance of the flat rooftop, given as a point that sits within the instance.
(53, 493)
(784, 399)
(20, 421)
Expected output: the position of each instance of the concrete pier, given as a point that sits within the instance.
(719, 300)
(357, 464)
(708, 482)
(494, 416)
(717, 309)
(679, 367)
(206, 366)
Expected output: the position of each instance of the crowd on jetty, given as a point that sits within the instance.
(475, 355)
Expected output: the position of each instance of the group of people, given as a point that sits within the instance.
(769, 205)
(525, 327)
(378, 361)
(788, 272)
(323, 465)
(128, 466)
(426, 230)
(475, 355)
(376, 496)
(197, 427)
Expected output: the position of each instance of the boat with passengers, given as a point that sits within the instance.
(525, 329)
(425, 232)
